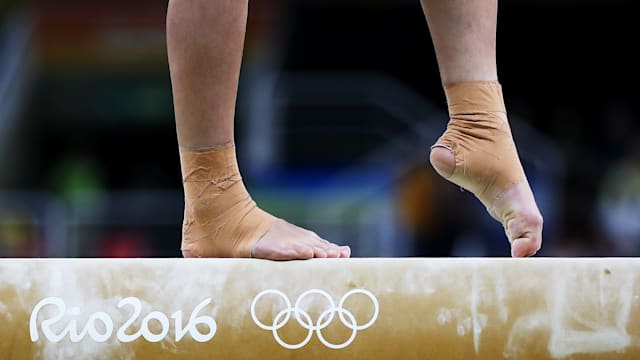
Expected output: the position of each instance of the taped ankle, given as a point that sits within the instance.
(220, 218)
(479, 136)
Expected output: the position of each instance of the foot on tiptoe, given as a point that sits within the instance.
(477, 153)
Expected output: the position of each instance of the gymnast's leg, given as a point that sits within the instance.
(477, 151)
(205, 40)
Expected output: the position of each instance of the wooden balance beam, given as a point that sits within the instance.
(538, 308)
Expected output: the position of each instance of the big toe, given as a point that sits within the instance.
(527, 236)
(522, 220)
(524, 247)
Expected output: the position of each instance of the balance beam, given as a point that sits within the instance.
(411, 308)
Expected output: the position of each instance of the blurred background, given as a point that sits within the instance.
(339, 102)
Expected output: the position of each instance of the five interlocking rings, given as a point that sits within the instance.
(304, 319)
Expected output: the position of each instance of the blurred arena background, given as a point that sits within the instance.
(339, 103)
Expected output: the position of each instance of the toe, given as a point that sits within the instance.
(319, 252)
(528, 239)
(345, 252)
(333, 251)
(304, 252)
(322, 247)
(524, 247)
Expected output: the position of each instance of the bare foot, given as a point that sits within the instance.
(285, 241)
(221, 219)
(477, 153)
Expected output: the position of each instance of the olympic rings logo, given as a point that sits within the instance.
(304, 319)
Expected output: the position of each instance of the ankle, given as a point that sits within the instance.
(472, 96)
